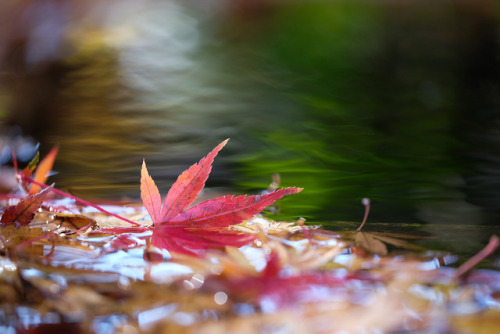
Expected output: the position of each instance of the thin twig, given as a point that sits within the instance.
(14, 159)
(301, 223)
(62, 193)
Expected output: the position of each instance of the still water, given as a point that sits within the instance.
(397, 102)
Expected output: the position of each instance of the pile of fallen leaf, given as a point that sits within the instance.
(67, 265)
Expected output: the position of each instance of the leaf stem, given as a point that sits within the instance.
(62, 193)
(30, 241)
(366, 203)
(301, 222)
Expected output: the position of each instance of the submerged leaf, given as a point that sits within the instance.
(23, 212)
(123, 242)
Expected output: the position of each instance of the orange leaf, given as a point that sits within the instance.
(43, 170)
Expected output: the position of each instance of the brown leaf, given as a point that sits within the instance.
(370, 243)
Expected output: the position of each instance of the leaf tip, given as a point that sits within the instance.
(222, 144)
(144, 169)
(291, 190)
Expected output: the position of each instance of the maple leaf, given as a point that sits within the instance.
(370, 243)
(23, 212)
(376, 242)
(190, 231)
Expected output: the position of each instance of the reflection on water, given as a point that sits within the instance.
(398, 102)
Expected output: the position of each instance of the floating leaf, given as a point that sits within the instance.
(203, 226)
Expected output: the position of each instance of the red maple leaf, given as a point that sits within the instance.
(23, 212)
(204, 226)
(194, 230)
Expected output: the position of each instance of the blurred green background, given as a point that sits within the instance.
(398, 101)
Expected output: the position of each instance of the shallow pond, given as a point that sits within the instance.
(394, 102)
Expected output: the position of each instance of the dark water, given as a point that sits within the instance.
(395, 101)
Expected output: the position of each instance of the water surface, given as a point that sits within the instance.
(397, 102)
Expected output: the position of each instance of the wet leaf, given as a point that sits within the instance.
(23, 212)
